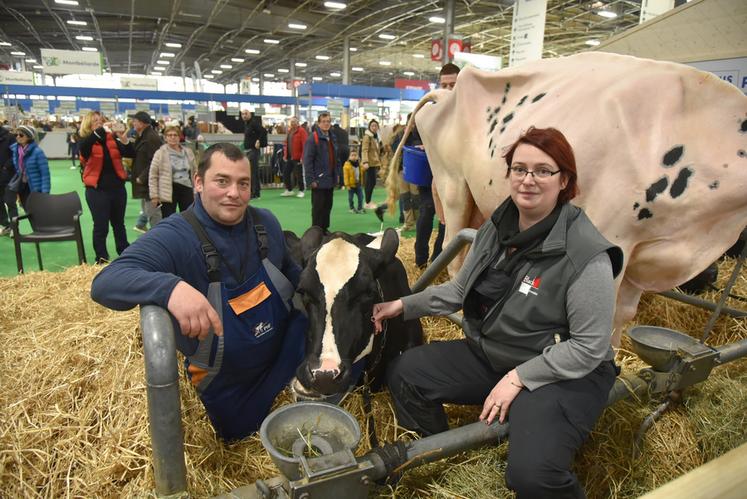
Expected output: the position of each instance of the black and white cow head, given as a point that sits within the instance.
(339, 286)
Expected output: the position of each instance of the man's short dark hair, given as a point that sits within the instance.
(322, 115)
(449, 69)
(230, 151)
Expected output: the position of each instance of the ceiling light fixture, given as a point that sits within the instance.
(20, 54)
(36, 66)
(30, 60)
(173, 45)
(335, 74)
(84, 38)
(66, 2)
(252, 51)
(386, 36)
(353, 49)
(76, 23)
(268, 75)
(297, 26)
(167, 54)
(216, 71)
(606, 13)
(159, 68)
(90, 49)
(301, 64)
(226, 66)
(357, 69)
(158, 73)
(209, 77)
(255, 79)
(436, 20)
(237, 59)
(335, 5)
(283, 70)
(385, 63)
(418, 56)
(271, 41)
(321, 57)
(317, 78)
(408, 73)
(163, 63)
(5, 44)
(593, 43)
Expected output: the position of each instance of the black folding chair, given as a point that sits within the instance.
(53, 217)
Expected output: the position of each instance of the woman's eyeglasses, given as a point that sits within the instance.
(519, 172)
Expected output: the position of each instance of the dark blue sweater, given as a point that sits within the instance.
(149, 269)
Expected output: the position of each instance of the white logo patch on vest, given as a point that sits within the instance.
(262, 329)
(336, 263)
(530, 285)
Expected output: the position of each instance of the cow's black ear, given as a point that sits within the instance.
(389, 245)
(311, 241)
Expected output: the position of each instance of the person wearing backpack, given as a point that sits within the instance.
(322, 170)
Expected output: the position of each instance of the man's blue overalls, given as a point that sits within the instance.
(239, 374)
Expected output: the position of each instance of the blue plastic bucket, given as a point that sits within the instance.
(415, 167)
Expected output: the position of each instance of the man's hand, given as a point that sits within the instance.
(500, 398)
(386, 310)
(314, 185)
(193, 312)
(256, 144)
(155, 202)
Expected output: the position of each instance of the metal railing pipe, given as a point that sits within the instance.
(164, 405)
(474, 435)
(463, 238)
(699, 302)
(732, 351)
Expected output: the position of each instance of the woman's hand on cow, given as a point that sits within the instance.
(499, 400)
(193, 312)
(386, 310)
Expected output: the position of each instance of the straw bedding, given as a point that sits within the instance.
(74, 418)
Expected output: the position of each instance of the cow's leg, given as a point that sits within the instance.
(628, 296)
(457, 205)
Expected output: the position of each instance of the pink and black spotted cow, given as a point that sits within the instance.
(660, 148)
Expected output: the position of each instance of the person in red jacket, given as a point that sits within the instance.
(104, 178)
(293, 154)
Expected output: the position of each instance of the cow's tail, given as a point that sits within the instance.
(392, 179)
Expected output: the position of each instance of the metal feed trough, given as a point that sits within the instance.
(312, 443)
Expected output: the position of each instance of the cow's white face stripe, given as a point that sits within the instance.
(366, 351)
(336, 263)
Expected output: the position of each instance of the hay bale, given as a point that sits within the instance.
(74, 414)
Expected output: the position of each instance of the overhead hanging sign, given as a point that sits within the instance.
(245, 86)
(130, 83)
(16, 78)
(437, 49)
(653, 8)
(457, 43)
(67, 62)
(527, 31)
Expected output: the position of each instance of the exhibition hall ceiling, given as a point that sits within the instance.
(231, 39)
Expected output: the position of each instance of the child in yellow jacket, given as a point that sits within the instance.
(351, 173)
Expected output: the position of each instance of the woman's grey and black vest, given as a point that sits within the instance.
(533, 315)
